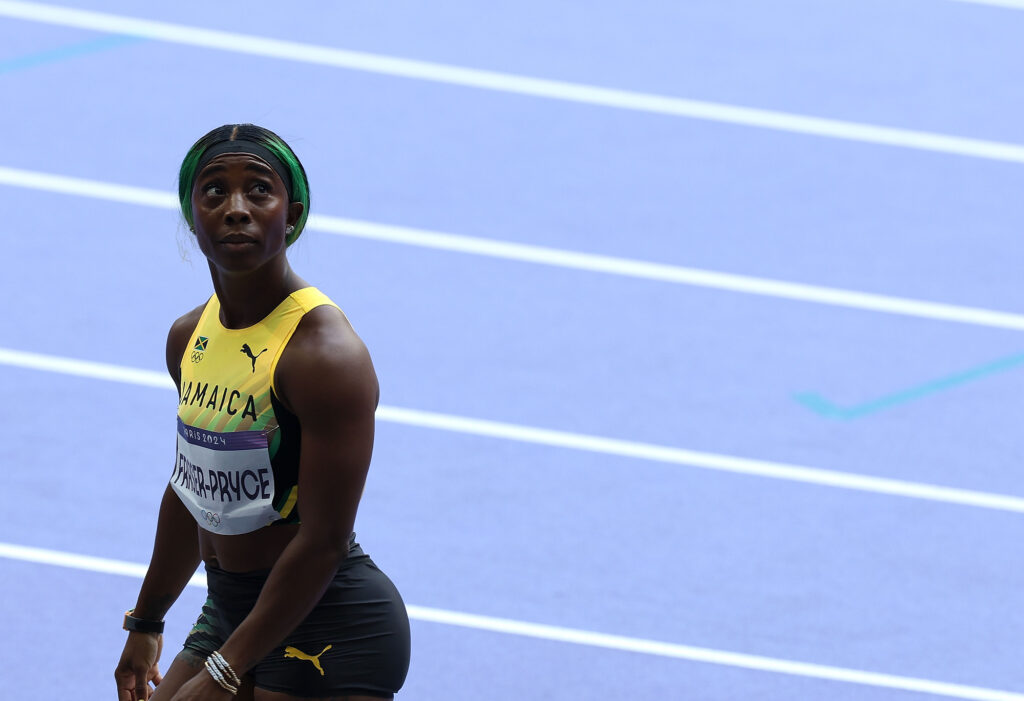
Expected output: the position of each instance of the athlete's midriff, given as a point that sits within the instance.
(245, 552)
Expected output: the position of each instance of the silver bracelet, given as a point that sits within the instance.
(225, 668)
(219, 678)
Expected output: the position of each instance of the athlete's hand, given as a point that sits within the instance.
(138, 666)
(202, 687)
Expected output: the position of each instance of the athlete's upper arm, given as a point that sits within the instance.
(177, 342)
(326, 378)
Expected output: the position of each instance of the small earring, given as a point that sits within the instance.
(288, 230)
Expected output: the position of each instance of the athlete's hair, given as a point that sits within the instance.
(247, 132)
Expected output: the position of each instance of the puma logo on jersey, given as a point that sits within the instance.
(248, 351)
(300, 655)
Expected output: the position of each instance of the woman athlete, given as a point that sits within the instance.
(276, 402)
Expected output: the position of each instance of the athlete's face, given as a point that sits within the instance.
(240, 210)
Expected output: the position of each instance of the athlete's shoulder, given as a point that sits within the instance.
(323, 326)
(178, 337)
(326, 334)
(325, 354)
(309, 298)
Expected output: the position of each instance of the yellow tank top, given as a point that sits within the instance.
(238, 446)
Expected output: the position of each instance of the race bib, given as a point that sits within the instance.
(225, 479)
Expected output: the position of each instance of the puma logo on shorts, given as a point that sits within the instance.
(300, 655)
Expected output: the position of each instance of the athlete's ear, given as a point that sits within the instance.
(294, 212)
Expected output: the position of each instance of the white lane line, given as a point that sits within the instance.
(81, 187)
(575, 441)
(543, 255)
(85, 368)
(1012, 4)
(510, 83)
(83, 562)
(573, 635)
(696, 277)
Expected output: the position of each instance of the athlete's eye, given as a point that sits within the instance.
(212, 191)
(261, 188)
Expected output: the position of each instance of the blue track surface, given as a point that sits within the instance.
(651, 550)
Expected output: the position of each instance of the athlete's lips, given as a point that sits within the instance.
(236, 237)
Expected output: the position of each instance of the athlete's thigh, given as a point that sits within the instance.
(185, 666)
(264, 695)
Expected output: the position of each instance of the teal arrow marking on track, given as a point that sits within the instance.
(65, 52)
(824, 407)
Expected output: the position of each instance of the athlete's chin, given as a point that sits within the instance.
(238, 260)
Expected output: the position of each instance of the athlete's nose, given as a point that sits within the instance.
(237, 211)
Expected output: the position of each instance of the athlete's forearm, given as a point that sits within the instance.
(174, 561)
(294, 586)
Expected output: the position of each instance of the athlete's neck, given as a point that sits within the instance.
(246, 298)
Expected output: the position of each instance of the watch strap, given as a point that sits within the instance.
(141, 625)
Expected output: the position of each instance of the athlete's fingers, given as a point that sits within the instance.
(157, 677)
(141, 685)
(125, 681)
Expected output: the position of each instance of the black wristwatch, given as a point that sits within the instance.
(141, 625)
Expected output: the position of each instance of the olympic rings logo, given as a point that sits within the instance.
(197, 356)
(210, 517)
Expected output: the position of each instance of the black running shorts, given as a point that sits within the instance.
(355, 641)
